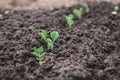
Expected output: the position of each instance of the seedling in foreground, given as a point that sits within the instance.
(40, 54)
(50, 41)
(1, 17)
(78, 12)
(70, 20)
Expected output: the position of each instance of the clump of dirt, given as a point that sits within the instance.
(90, 50)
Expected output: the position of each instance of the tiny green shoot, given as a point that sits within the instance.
(115, 11)
(70, 20)
(1, 16)
(44, 34)
(50, 41)
(78, 12)
(7, 12)
(87, 9)
(40, 54)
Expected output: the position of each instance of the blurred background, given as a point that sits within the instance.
(48, 4)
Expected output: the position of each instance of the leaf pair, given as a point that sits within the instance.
(70, 20)
(50, 41)
(40, 54)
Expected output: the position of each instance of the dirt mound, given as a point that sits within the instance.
(90, 50)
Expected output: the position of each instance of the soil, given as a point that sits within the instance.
(90, 50)
(43, 4)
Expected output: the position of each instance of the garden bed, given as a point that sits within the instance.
(90, 50)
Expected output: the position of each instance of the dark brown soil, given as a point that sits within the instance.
(88, 51)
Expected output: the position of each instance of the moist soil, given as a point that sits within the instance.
(90, 50)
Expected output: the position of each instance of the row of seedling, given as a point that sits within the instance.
(50, 39)
(78, 13)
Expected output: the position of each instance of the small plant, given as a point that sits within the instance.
(40, 54)
(7, 12)
(78, 12)
(50, 41)
(87, 9)
(70, 20)
(54, 35)
(115, 11)
(44, 34)
(1, 17)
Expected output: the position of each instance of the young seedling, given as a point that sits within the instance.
(1, 16)
(78, 12)
(40, 54)
(54, 36)
(87, 9)
(115, 11)
(7, 12)
(50, 41)
(70, 20)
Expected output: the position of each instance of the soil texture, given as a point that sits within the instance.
(90, 50)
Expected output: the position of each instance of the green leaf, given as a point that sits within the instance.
(1, 16)
(43, 34)
(69, 19)
(41, 57)
(40, 62)
(87, 9)
(78, 12)
(7, 12)
(54, 35)
(70, 16)
(49, 40)
(38, 51)
(50, 46)
(116, 8)
(50, 43)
